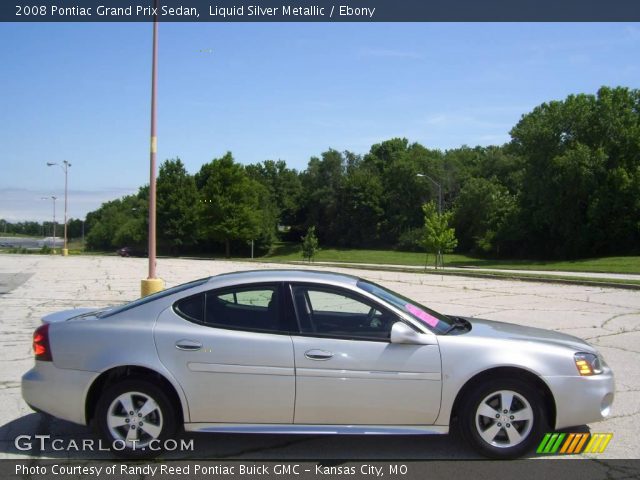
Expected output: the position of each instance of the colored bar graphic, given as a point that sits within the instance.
(598, 442)
(573, 443)
(584, 438)
(551, 442)
(558, 443)
(580, 437)
(543, 443)
(606, 442)
(567, 443)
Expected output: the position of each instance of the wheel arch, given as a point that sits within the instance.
(126, 372)
(511, 373)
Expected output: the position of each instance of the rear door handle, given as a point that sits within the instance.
(188, 345)
(318, 354)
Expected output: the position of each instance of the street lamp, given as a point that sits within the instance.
(65, 167)
(54, 219)
(439, 190)
(153, 284)
(437, 184)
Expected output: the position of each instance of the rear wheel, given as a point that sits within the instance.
(135, 417)
(502, 418)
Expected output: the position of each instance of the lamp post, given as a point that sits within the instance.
(53, 198)
(437, 184)
(65, 167)
(439, 190)
(153, 284)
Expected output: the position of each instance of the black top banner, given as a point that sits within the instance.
(320, 11)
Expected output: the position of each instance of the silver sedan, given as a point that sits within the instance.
(286, 351)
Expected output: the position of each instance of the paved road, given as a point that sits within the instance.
(609, 318)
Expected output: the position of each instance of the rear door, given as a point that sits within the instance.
(348, 372)
(231, 353)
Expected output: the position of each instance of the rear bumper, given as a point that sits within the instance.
(58, 392)
(582, 400)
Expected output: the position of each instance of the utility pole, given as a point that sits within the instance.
(65, 168)
(153, 284)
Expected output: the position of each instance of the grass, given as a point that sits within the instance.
(630, 264)
(287, 252)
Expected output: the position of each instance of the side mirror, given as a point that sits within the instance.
(403, 333)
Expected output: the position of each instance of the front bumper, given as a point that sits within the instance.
(582, 400)
(56, 391)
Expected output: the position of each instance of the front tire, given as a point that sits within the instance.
(502, 418)
(135, 417)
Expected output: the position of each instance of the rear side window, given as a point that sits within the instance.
(242, 308)
(151, 298)
(192, 308)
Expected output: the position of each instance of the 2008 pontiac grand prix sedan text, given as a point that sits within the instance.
(279, 351)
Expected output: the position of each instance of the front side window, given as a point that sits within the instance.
(238, 308)
(435, 321)
(341, 314)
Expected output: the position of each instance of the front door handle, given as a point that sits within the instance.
(318, 354)
(188, 345)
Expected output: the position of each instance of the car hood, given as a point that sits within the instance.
(74, 313)
(509, 331)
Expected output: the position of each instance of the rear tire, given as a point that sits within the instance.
(502, 418)
(135, 417)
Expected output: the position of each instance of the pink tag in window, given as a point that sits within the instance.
(422, 315)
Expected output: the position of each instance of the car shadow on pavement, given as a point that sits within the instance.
(38, 435)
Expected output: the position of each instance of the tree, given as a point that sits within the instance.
(481, 215)
(322, 182)
(439, 237)
(234, 207)
(360, 213)
(581, 171)
(177, 207)
(119, 223)
(74, 228)
(309, 244)
(283, 184)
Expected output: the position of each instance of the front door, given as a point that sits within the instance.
(348, 372)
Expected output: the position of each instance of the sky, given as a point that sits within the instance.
(81, 93)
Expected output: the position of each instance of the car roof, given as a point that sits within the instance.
(285, 275)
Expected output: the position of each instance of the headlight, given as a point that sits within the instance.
(588, 364)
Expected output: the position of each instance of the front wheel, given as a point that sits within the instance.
(502, 418)
(135, 417)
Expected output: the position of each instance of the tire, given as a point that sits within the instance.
(498, 431)
(148, 409)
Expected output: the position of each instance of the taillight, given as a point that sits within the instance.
(41, 346)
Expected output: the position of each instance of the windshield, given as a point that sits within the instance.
(151, 298)
(434, 321)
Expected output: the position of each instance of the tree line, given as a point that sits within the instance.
(42, 229)
(567, 185)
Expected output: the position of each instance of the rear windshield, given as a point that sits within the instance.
(151, 298)
(434, 321)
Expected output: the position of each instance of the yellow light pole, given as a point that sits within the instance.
(152, 284)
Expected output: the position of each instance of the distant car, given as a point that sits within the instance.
(309, 352)
(131, 252)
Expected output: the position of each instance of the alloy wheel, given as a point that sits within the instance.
(504, 418)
